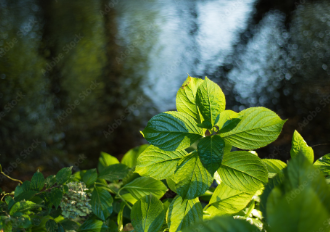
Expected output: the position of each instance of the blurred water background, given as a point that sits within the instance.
(80, 77)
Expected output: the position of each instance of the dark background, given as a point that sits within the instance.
(80, 77)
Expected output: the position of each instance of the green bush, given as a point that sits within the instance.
(192, 177)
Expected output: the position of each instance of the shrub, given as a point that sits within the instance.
(199, 173)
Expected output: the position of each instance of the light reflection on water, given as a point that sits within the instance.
(185, 38)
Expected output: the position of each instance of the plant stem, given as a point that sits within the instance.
(10, 177)
(124, 200)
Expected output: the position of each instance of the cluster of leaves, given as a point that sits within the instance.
(199, 173)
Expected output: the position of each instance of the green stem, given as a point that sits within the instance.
(123, 200)
(10, 177)
(251, 207)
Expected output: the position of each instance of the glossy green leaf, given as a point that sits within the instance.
(143, 186)
(210, 100)
(222, 224)
(172, 131)
(273, 166)
(210, 151)
(227, 201)
(300, 147)
(92, 225)
(130, 158)
(101, 202)
(157, 163)
(106, 160)
(243, 171)
(191, 178)
(63, 175)
(114, 172)
(148, 214)
(90, 177)
(257, 128)
(186, 97)
(323, 164)
(183, 213)
(37, 181)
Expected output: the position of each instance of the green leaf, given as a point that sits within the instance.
(227, 201)
(183, 213)
(26, 186)
(130, 158)
(60, 228)
(300, 147)
(226, 119)
(56, 197)
(143, 186)
(114, 172)
(205, 124)
(323, 164)
(171, 184)
(101, 202)
(302, 201)
(274, 166)
(186, 97)
(223, 224)
(311, 216)
(272, 183)
(92, 225)
(63, 175)
(243, 171)
(112, 226)
(8, 199)
(191, 178)
(210, 151)
(50, 181)
(106, 160)
(132, 175)
(18, 190)
(22, 206)
(23, 221)
(26, 195)
(90, 177)
(69, 225)
(157, 163)
(257, 128)
(148, 214)
(210, 100)
(120, 216)
(172, 131)
(37, 181)
(51, 226)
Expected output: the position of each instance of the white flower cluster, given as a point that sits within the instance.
(75, 203)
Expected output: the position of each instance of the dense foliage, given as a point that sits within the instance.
(199, 173)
